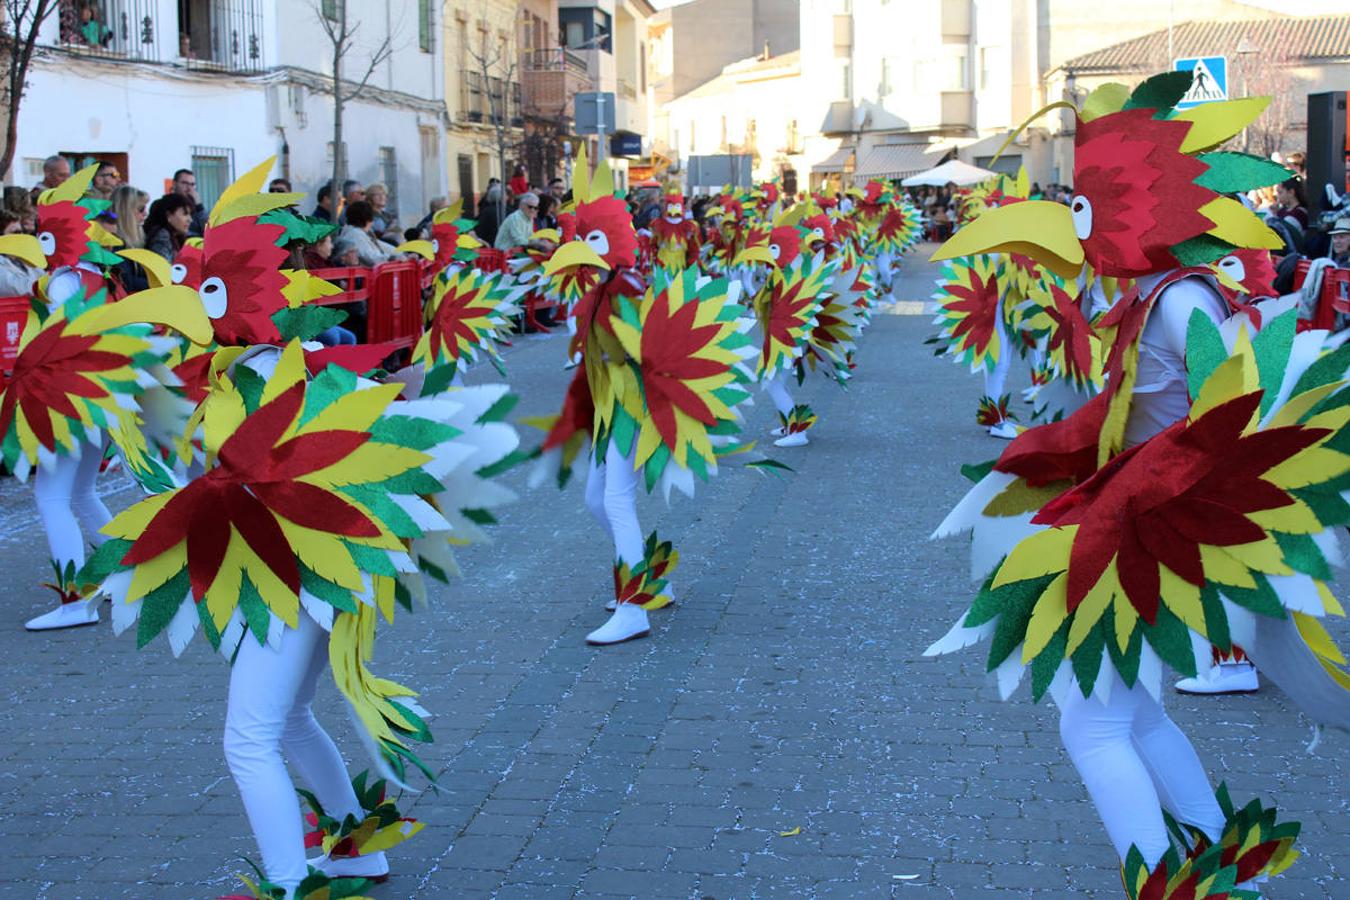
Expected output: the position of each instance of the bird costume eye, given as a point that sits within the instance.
(215, 297)
(178, 273)
(1082, 217)
(775, 251)
(1232, 267)
(47, 241)
(598, 241)
(435, 246)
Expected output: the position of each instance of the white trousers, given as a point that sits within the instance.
(776, 388)
(269, 712)
(66, 501)
(994, 381)
(1135, 761)
(611, 496)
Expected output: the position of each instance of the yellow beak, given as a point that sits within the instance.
(753, 255)
(1037, 228)
(571, 255)
(421, 248)
(24, 247)
(157, 270)
(175, 307)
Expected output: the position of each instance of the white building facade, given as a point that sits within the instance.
(217, 86)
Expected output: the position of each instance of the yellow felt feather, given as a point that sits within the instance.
(1214, 123)
(1048, 615)
(1237, 225)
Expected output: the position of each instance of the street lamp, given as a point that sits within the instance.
(1245, 48)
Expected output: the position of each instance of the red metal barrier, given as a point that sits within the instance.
(1335, 296)
(394, 313)
(13, 315)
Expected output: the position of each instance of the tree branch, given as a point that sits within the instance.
(382, 53)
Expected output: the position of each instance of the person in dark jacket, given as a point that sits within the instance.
(490, 215)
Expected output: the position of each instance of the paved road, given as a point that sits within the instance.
(786, 691)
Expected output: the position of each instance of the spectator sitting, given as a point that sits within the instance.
(369, 249)
(517, 228)
(385, 224)
(185, 184)
(20, 202)
(279, 186)
(352, 192)
(557, 189)
(106, 180)
(1340, 243)
(16, 276)
(490, 215)
(129, 205)
(546, 218)
(319, 254)
(323, 203)
(55, 170)
(1291, 209)
(168, 224)
(423, 228)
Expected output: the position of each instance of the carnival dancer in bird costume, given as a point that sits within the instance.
(84, 365)
(1189, 503)
(324, 498)
(787, 307)
(676, 237)
(656, 393)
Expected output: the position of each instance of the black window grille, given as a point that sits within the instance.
(118, 29)
(222, 34)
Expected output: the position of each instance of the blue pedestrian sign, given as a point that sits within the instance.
(1209, 79)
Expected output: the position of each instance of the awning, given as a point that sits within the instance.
(840, 160)
(897, 161)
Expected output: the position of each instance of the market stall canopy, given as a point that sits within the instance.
(951, 172)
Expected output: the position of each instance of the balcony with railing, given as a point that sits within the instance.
(486, 101)
(550, 79)
(222, 35)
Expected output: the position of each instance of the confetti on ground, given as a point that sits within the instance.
(793, 833)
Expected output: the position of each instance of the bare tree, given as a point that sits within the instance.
(495, 63)
(332, 16)
(1269, 73)
(18, 38)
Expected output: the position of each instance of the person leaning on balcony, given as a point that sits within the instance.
(517, 227)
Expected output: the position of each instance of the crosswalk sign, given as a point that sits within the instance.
(1209, 79)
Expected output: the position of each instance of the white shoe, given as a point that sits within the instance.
(67, 615)
(1225, 678)
(375, 866)
(611, 604)
(628, 623)
(1005, 430)
(779, 431)
(796, 439)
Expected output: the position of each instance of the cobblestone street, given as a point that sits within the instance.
(778, 735)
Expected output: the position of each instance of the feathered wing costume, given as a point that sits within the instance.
(1102, 561)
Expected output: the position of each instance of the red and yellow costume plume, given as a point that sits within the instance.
(451, 242)
(791, 298)
(84, 363)
(1101, 562)
(676, 238)
(469, 311)
(970, 301)
(601, 253)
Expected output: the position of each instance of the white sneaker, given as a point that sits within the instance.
(611, 604)
(1225, 678)
(796, 439)
(375, 866)
(779, 431)
(67, 615)
(628, 623)
(1005, 430)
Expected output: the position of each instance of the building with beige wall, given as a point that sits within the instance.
(483, 70)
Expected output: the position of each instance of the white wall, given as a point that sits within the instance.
(154, 118)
